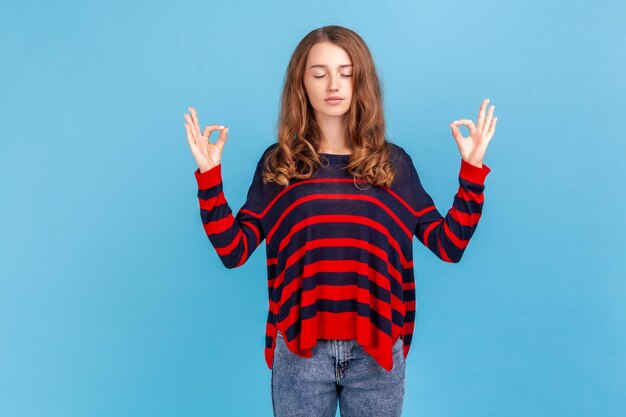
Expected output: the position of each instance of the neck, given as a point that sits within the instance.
(333, 135)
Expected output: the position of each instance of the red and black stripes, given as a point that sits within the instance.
(339, 251)
(234, 237)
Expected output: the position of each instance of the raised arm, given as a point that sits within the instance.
(448, 237)
(234, 237)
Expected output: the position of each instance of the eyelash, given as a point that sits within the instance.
(322, 76)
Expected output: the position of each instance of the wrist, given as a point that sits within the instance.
(477, 164)
(473, 173)
(209, 178)
(204, 169)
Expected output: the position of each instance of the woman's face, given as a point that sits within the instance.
(328, 73)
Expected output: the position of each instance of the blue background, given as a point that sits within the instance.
(113, 301)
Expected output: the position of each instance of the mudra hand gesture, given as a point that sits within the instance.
(473, 147)
(208, 155)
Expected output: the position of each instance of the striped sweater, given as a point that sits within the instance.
(339, 250)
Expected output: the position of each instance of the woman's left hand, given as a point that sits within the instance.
(473, 148)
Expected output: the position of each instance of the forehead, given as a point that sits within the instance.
(327, 54)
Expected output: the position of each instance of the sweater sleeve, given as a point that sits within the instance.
(448, 237)
(234, 237)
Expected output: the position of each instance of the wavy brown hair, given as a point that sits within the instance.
(296, 155)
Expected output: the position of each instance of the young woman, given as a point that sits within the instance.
(338, 205)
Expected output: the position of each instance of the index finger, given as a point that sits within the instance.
(481, 114)
(210, 128)
(194, 117)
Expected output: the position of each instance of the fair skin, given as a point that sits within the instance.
(329, 73)
(474, 147)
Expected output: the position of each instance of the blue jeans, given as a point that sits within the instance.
(338, 370)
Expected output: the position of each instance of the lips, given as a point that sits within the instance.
(333, 100)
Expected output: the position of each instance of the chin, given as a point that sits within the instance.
(334, 111)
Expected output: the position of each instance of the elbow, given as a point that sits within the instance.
(452, 259)
(231, 263)
(456, 259)
(233, 258)
(450, 254)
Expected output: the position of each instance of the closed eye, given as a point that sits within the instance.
(343, 75)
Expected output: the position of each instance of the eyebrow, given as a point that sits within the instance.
(326, 66)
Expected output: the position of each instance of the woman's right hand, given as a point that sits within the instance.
(206, 154)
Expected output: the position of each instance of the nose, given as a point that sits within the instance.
(333, 83)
